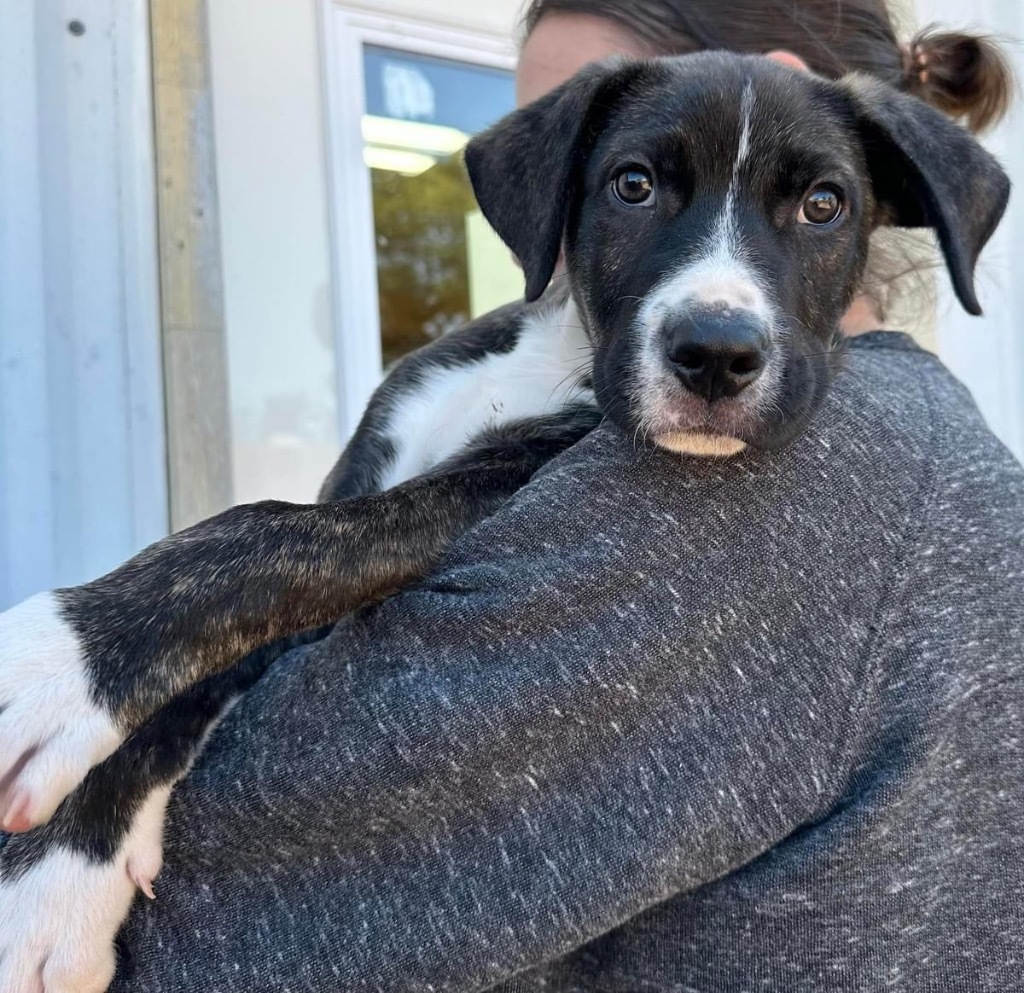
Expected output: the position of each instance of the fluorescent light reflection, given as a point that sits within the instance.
(432, 139)
(407, 147)
(397, 160)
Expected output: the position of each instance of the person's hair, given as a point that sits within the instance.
(965, 76)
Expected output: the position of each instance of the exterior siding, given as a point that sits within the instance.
(82, 481)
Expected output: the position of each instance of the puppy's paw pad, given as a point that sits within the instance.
(19, 813)
(51, 730)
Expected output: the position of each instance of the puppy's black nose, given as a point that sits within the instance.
(716, 353)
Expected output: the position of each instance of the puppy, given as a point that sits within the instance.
(714, 212)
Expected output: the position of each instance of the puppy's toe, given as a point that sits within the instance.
(142, 871)
(52, 770)
(144, 847)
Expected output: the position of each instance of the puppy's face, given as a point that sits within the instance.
(715, 212)
(717, 235)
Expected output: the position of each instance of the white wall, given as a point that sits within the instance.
(276, 262)
(82, 468)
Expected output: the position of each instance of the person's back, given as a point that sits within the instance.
(913, 877)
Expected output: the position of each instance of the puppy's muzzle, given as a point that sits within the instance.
(716, 352)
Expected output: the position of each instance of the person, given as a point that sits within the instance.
(657, 724)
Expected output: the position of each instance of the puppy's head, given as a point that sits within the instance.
(715, 212)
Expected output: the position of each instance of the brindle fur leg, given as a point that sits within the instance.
(194, 603)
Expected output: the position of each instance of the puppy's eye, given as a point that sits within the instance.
(634, 187)
(821, 206)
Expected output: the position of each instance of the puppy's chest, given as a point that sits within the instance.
(452, 406)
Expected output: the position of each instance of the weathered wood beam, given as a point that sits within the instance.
(191, 278)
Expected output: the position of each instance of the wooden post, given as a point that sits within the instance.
(191, 284)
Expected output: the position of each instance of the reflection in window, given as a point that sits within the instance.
(438, 262)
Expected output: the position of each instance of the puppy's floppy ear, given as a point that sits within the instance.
(523, 169)
(929, 172)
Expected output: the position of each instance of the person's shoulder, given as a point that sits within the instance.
(905, 405)
(886, 412)
(895, 429)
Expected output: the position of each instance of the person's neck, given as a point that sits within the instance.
(862, 317)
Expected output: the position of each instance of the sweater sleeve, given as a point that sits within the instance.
(640, 675)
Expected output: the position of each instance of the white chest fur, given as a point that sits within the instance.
(539, 376)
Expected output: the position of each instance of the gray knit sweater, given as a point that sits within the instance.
(660, 725)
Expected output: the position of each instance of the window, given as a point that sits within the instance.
(413, 257)
(438, 262)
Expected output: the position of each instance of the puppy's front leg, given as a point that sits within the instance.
(66, 888)
(81, 668)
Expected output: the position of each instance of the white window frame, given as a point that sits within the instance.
(356, 322)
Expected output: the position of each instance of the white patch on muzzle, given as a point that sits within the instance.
(722, 276)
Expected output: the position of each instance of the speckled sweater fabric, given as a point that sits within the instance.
(662, 724)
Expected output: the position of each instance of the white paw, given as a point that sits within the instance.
(51, 731)
(58, 920)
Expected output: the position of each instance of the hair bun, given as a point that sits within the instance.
(966, 76)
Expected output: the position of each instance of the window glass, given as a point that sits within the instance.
(438, 262)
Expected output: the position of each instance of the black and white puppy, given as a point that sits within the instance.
(714, 212)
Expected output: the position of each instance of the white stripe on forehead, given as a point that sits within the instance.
(746, 111)
(721, 275)
(727, 221)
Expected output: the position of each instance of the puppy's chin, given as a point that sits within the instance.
(713, 446)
